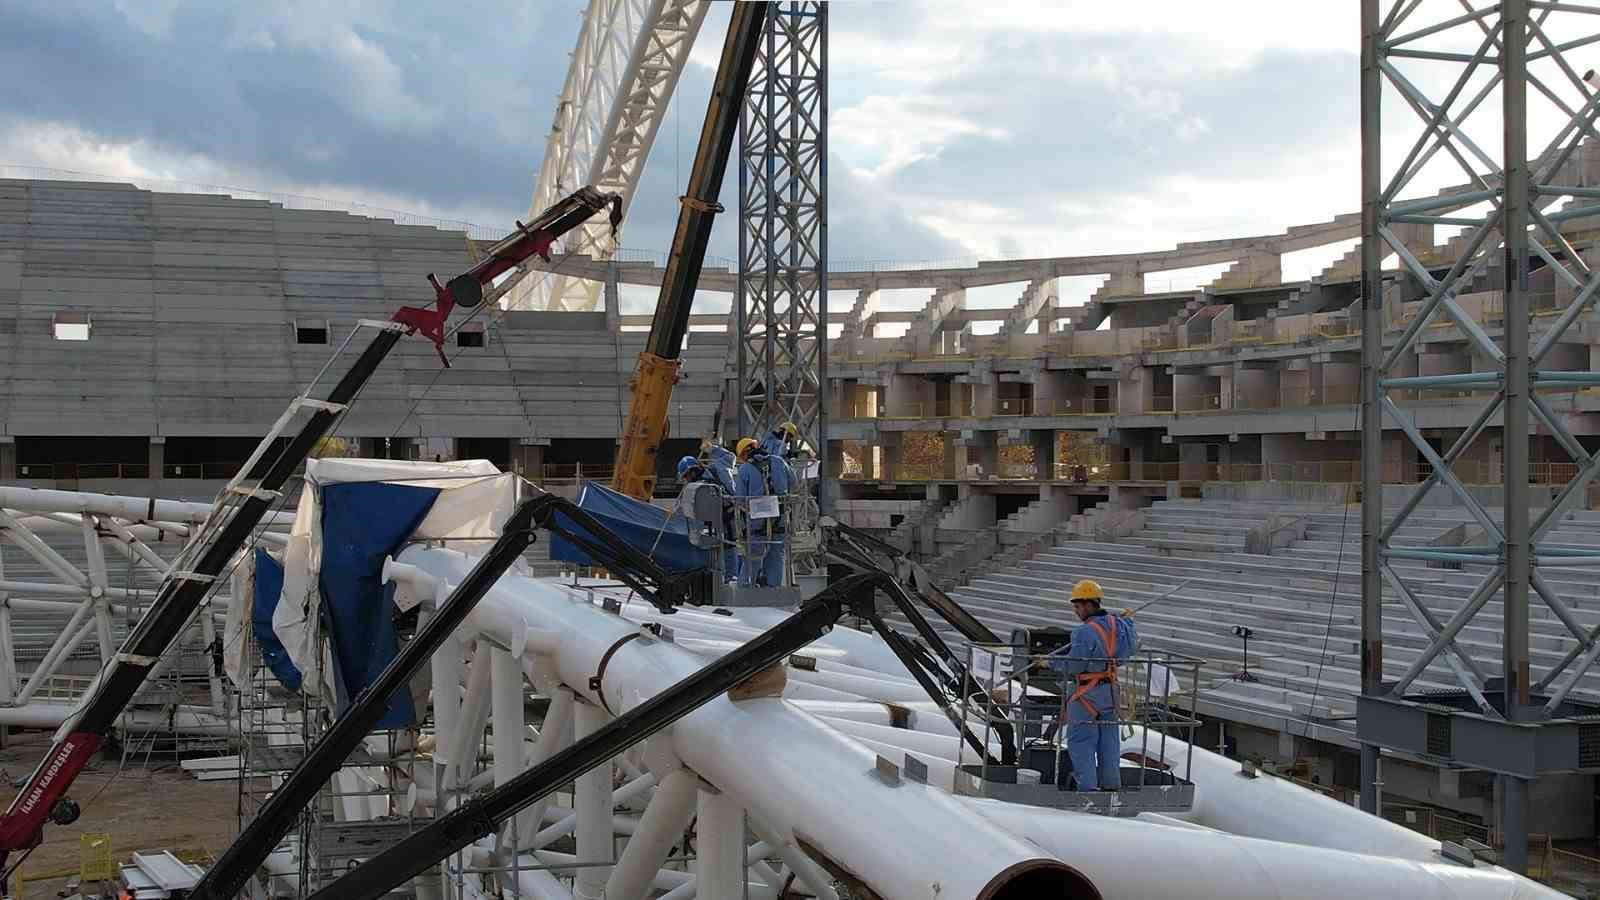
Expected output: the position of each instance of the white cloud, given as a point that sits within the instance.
(885, 134)
(152, 17)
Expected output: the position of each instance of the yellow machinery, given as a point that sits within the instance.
(657, 372)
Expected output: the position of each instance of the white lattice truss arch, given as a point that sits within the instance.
(623, 72)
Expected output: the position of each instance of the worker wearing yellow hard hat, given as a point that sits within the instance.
(763, 480)
(1094, 740)
(784, 439)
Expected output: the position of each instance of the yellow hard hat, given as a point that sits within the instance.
(790, 429)
(743, 448)
(1087, 589)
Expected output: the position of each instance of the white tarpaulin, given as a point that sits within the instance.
(475, 499)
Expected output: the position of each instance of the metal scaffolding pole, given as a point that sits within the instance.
(1371, 413)
(781, 310)
(1513, 192)
(1518, 388)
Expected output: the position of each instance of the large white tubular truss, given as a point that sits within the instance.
(624, 69)
(81, 566)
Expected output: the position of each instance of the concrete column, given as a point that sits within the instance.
(527, 459)
(889, 457)
(983, 448)
(8, 458)
(158, 458)
(1044, 452)
(985, 391)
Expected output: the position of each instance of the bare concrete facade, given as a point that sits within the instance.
(206, 314)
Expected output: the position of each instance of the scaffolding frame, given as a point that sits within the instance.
(781, 308)
(1489, 717)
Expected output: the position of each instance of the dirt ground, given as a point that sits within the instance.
(154, 807)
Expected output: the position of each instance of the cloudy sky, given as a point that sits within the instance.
(958, 130)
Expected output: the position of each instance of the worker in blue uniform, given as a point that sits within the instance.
(692, 469)
(1094, 739)
(762, 474)
(782, 442)
(722, 462)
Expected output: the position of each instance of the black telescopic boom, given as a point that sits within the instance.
(699, 203)
(227, 877)
(478, 818)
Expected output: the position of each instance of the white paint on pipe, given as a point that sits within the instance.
(662, 825)
(554, 735)
(719, 847)
(1278, 810)
(568, 823)
(787, 768)
(592, 803)
(196, 720)
(474, 714)
(919, 742)
(880, 689)
(507, 714)
(136, 509)
(1129, 860)
(806, 870)
(447, 664)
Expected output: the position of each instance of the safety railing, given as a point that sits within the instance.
(1336, 471)
(1161, 403)
(1086, 406)
(572, 473)
(208, 471)
(855, 412)
(1291, 396)
(77, 471)
(1485, 472)
(1199, 402)
(1021, 698)
(1026, 471)
(1339, 329)
(922, 411)
(1013, 406)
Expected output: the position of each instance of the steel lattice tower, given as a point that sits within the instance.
(781, 309)
(1514, 202)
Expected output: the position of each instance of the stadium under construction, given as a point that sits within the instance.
(476, 615)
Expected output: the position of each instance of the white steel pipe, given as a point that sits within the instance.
(806, 870)
(186, 720)
(789, 769)
(506, 713)
(568, 823)
(8, 653)
(662, 825)
(555, 734)
(445, 667)
(719, 847)
(1275, 809)
(462, 754)
(136, 509)
(65, 641)
(1121, 857)
(592, 804)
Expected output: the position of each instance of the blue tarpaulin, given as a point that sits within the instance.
(269, 587)
(363, 522)
(639, 524)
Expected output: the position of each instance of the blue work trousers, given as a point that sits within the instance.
(1094, 741)
(765, 557)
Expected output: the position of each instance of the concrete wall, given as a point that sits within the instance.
(193, 302)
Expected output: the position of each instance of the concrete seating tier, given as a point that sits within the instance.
(1302, 602)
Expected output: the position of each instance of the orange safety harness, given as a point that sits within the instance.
(1087, 680)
